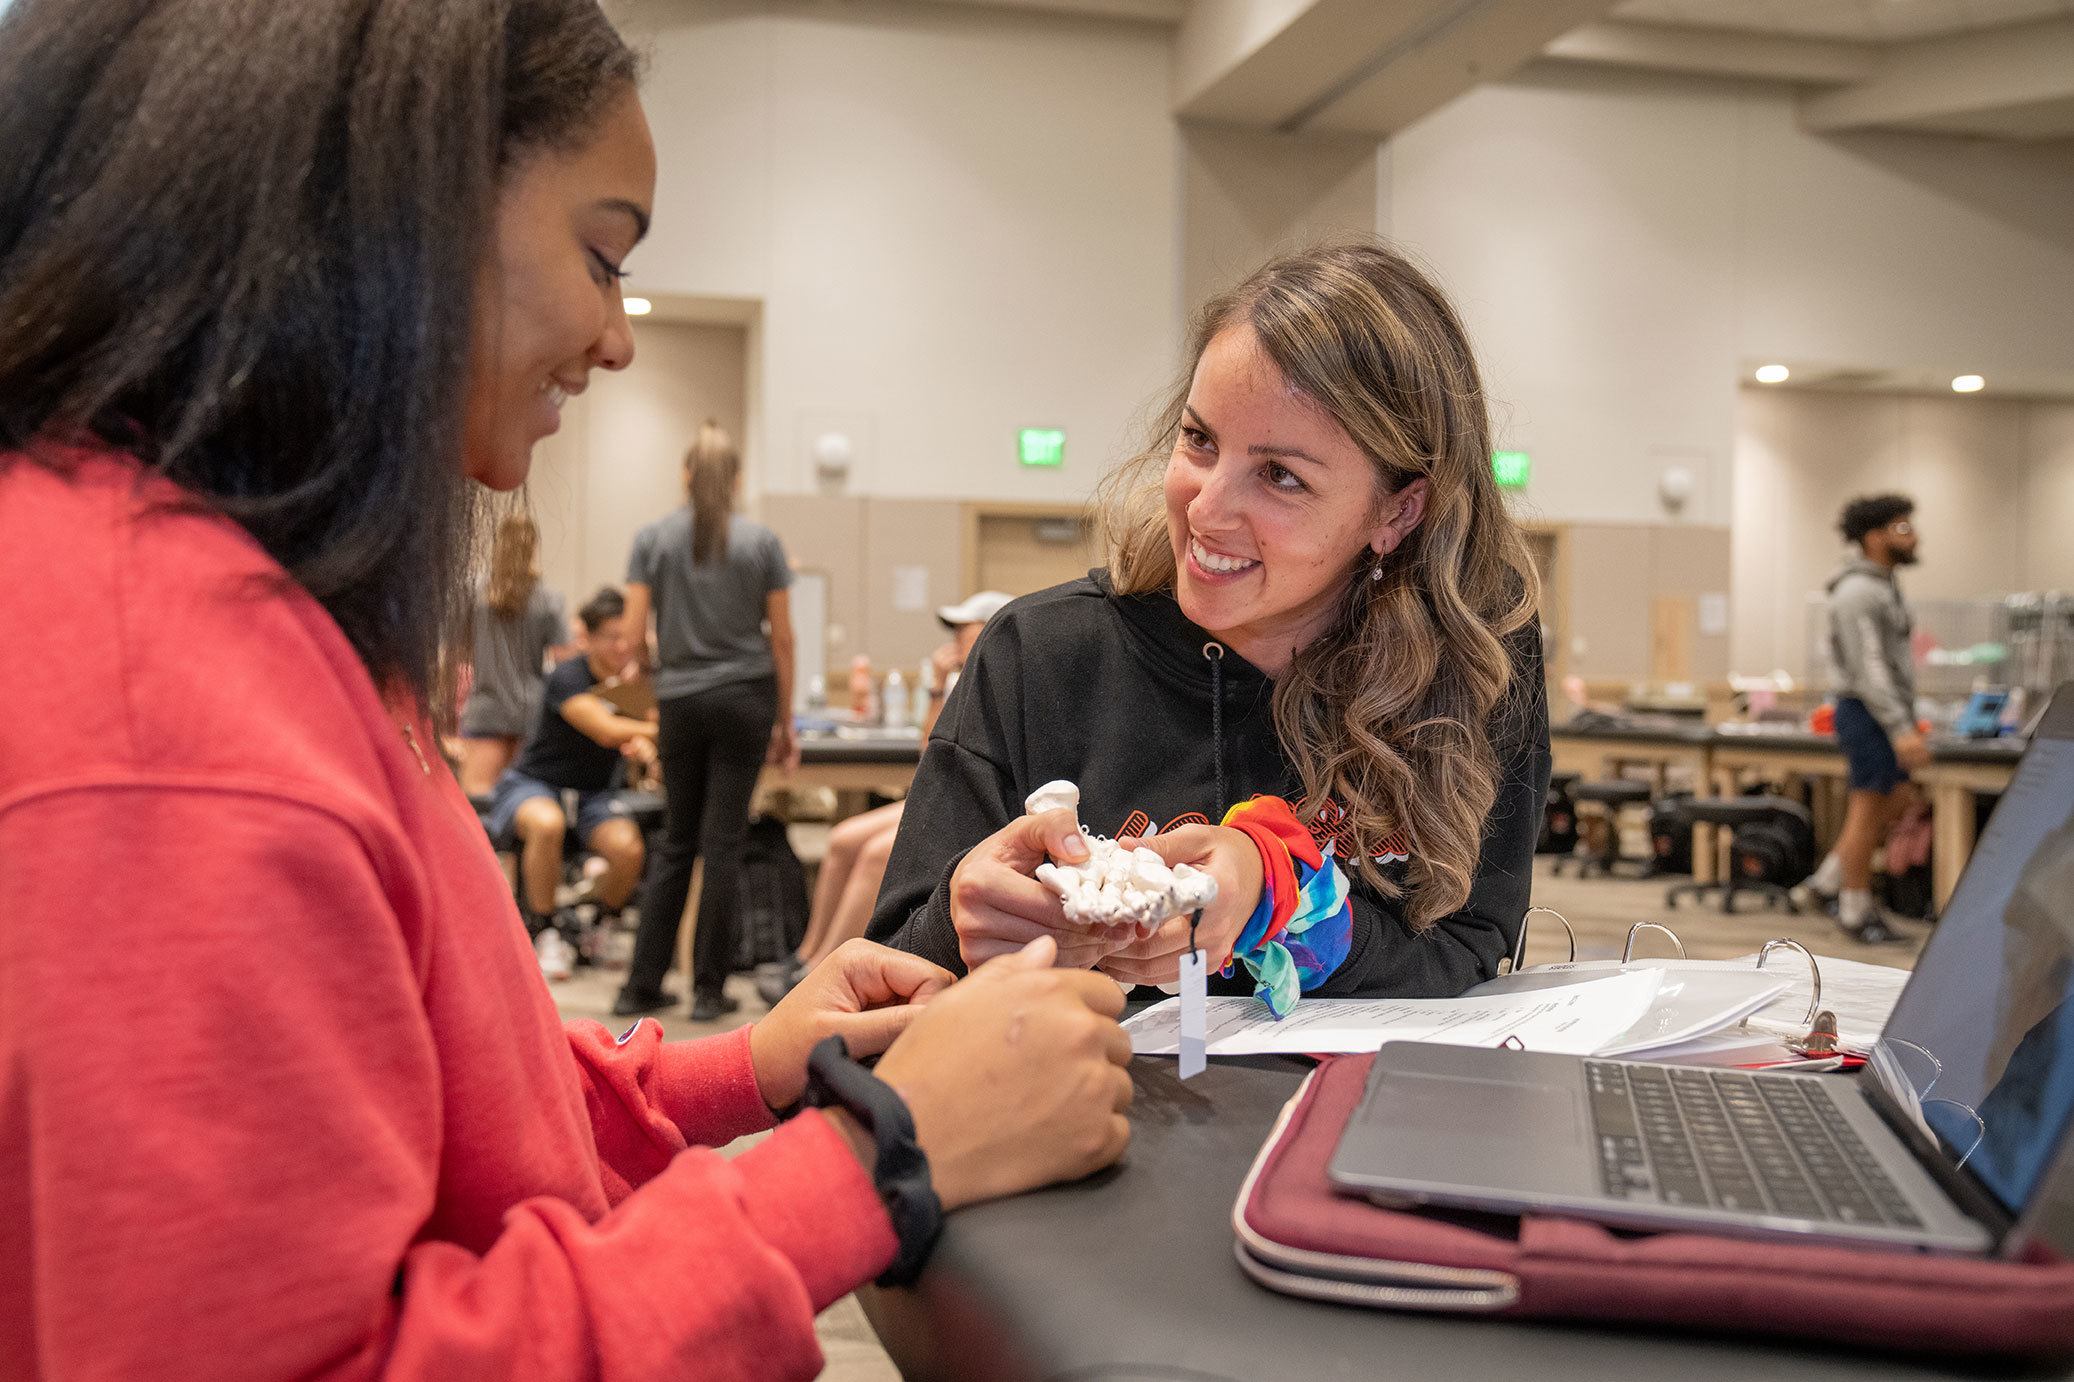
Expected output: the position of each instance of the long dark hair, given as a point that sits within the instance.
(240, 239)
(711, 468)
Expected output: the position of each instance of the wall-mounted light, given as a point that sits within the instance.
(1969, 383)
(832, 454)
(1773, 374)
(639, 307)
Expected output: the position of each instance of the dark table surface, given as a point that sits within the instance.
(829, 748)
(1130, 1275)
(1783, 738)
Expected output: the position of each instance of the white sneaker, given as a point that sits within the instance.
(557, 960)
(1810, 896)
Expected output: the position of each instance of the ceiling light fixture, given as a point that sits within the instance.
(639, 307)
(1773, 374)
(1969, 383)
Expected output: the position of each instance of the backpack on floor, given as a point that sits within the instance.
(1558, 818)
(1670, 834)
(1779, 849)
(771, 915)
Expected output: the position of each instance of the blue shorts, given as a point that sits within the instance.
(1867, 750)
(514, 789)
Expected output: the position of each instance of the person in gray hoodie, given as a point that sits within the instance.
(1874, 676)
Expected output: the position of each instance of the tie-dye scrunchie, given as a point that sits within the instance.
(1302, 929)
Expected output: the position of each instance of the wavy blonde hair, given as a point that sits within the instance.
(514, 569)
(1390, 713)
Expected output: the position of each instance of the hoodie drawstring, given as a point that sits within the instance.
(1213, 653)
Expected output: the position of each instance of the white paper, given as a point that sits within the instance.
(1195, 1007)
(1861, 995)
(1697, 997)
(1713, 615)
(1576, 1019)
(910, 589)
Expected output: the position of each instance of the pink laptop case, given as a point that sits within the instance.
(1296, 1234)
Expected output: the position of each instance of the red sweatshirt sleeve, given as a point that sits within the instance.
(649, 1099)
(225, 1154)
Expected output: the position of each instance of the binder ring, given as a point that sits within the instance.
(1970, 1112)
(1627, 952)
(1936, 1074)
(1814, 971)
(1519, 947)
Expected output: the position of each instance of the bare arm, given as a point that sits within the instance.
(639, 605)
(777, 609)
(595, 718)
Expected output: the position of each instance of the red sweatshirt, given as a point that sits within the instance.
(281, 1090)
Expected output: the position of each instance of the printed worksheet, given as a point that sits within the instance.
(1577, 1019)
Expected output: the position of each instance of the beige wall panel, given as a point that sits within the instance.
(1609, 600)
(2048, 497)
(1686, 563)
(910, 533)
(826, 534)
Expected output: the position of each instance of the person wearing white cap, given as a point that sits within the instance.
(847, 884)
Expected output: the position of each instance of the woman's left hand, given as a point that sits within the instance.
(1227, 855)
(864, 993)
(784, 750)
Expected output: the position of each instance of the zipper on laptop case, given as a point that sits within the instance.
(1411, 1285)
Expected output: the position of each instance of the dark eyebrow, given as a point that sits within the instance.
(1271, 452)
(639, 215)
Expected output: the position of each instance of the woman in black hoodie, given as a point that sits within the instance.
(1315, 594)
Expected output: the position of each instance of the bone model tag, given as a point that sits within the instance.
(1117, 887)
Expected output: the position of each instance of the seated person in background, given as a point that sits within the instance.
(576, 745)
(1312, 670)
(847, 883)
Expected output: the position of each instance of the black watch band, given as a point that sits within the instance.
(901, 1171)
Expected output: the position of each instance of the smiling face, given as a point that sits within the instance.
(550, 303)
(1272, 509)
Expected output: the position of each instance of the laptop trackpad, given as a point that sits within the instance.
(1457, 1130)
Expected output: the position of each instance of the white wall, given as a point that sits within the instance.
(1993, 481)
(1588, 237)
(959, 221)
(1622, 246)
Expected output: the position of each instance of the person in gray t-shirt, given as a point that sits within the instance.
(717, 584)
(519, 626)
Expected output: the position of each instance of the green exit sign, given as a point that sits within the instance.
(1042, 445)
(1511, 468)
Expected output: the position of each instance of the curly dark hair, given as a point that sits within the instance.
(1871, 513)
(608, 603)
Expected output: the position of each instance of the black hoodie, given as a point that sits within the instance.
(1117, 694)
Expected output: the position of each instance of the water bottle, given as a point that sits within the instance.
(895, 700)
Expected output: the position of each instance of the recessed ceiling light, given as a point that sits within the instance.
(1773, 374)
(1969, 383)
(639, 307)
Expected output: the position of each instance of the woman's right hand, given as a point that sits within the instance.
(1015, 1077)
(997, 904)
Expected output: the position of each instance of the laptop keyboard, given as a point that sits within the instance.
(1721, 1138)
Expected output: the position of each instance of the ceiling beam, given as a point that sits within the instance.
(1354, 66)
(1963, 84)
(1717, 52)
(1145, 11)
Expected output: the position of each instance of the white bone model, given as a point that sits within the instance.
(1117, 887)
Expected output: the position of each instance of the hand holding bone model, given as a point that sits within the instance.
(1127, 891)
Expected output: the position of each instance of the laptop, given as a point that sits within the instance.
(1952, 1138)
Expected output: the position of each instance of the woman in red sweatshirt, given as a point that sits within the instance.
(281, 1092)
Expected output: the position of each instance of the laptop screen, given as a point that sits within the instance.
(1987, 1025)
